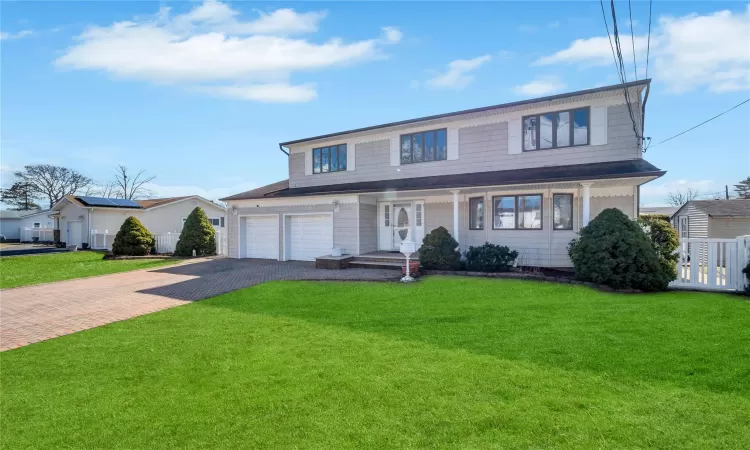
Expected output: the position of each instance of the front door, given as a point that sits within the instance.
(74, 233)
(402, 224)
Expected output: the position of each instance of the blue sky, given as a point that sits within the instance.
(200, 94)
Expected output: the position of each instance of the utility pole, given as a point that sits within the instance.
(726, 191)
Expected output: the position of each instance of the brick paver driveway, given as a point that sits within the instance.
(36, 313)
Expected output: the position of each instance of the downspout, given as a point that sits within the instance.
(643, 114)
(283, 151)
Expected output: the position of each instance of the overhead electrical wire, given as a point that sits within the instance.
(648, 41)
(632, 40)
(703, 123)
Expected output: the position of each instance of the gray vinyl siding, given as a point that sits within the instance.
(726, 228)
(481, 148)
(344, 225)
(368, 228)
(624, 203)
(697, 221)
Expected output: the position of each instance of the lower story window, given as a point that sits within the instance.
(517, 212)
(215, 221)
(562, 211)
(476, 213)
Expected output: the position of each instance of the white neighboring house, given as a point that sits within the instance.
(713, 219)
(12, 224)
(96, 220)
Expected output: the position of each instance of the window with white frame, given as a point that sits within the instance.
(684, 227)
(419, 214)
(387, 215)
(476, 213)
(424, 146)
(215, 221)
(329, 159)
(37, 225)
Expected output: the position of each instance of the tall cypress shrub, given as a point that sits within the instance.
(133, 239)
(197, 234)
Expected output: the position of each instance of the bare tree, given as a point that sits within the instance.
(129, 186)
(679, 198)
(53, 182)
(108, 190)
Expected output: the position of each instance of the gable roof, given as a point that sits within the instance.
(151, 202)
(733, 207)
(614, 87)
(578, 172)
(664, 210)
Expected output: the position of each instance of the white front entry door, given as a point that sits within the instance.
(310, 236)
(74, 233)
(402, 224)
(262, 238)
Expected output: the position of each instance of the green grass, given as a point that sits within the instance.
(34, 269)
(445, 363)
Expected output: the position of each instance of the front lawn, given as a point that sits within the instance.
(447, 362)
(34, 269)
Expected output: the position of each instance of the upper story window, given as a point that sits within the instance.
(556, 130)
(329, 159)
(424, 146)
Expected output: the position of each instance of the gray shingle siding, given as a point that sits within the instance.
(481, 148)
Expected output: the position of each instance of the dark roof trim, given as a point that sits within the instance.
(644, 82)
(578, 172)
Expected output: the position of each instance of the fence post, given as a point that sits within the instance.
(742, 259)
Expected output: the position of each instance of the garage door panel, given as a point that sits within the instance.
(262, 237)
(310, 236)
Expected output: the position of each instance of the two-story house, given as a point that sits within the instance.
(526, 174)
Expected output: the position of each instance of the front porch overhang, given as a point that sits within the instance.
(629, 172)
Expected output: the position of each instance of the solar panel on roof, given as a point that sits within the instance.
(125, 203)
(96, 201)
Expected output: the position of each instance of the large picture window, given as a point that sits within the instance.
(329, 159)
(556, 130)
(562, 211)
(424, 146)
(476, 213)
(517, 212)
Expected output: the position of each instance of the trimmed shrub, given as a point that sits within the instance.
(613, 250)
(665, 241)
(666, 217)
(490, 258)
(133, 239)
(197, 234)
(439, 251)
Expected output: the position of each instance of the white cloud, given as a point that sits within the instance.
(4, 35)
(687, 52)
(266, 93)
(209, 45)
(661, 190)
(541, 86)
(392, 34)
(457, 76)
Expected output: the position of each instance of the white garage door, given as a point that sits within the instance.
(310, 237)
(262, 238)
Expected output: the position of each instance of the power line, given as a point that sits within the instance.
(648, 44)
(623, 73)
(632, 39)
(703, 123)
(604, 16)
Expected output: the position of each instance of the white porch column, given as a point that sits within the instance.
(586, 194)
(455, 216)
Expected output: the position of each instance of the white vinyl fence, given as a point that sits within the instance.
(165, 243)
(37, 234)
(712, 264)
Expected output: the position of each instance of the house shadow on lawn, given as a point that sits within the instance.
(223, 275)
(668, 337)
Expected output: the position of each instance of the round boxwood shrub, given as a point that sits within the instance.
(197, 234)
(665, 241)
(439, 251)
(613, 250)
(133, 239)
(490, 258)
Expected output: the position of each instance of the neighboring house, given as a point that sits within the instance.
(96, 220)
(526, 174)
(12, 222)
(713, 218)
(658, 210)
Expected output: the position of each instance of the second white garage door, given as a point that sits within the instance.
(262, 237)
(310, 236)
